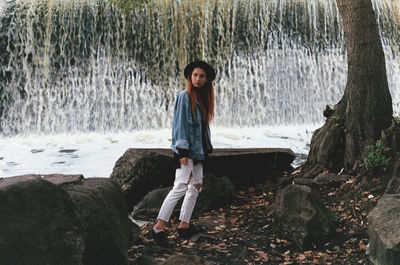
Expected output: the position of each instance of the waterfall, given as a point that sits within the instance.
(88, 65)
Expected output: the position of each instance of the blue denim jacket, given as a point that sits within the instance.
(186, 128)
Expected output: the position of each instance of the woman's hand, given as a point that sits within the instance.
(184, 160)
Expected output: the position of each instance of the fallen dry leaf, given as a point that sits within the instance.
(362, 246)
(263, 255)
(308, 253)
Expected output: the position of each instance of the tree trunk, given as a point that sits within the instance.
(366, 107)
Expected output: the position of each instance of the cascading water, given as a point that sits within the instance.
(71, 66)
(89, 66)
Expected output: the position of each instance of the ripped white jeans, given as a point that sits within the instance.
(185, 178)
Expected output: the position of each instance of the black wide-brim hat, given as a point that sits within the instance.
(210, 72)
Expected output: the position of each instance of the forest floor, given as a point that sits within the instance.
(244, 232)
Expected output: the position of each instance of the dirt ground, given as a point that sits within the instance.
(244, 232)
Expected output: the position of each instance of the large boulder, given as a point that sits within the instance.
(216, 192)
(39, 224)
(139, 171)
(246, 167)
(148, 207)
(101, 209)
(62, 219)
(301, 216)
(384, 231)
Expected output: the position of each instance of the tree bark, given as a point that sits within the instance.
(366, 107)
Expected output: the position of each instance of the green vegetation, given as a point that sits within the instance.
(377, 157)
(339, 122)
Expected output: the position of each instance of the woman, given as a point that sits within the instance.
(194, 109)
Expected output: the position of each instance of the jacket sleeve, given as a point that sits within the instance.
(180, 124)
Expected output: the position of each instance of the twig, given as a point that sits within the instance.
(353, 206)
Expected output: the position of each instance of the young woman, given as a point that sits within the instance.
(194, 109)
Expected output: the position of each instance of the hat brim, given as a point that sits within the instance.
(210, 72)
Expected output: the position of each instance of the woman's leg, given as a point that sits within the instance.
(194, 188)
(180, 188)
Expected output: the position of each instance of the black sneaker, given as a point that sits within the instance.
(160, 238)
(189, 232)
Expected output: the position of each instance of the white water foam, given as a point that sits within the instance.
(94, 154)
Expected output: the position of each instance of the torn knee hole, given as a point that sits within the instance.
(197, 186)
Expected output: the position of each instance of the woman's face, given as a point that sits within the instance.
(199, 77)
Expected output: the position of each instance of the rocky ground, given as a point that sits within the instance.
(244, 232)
